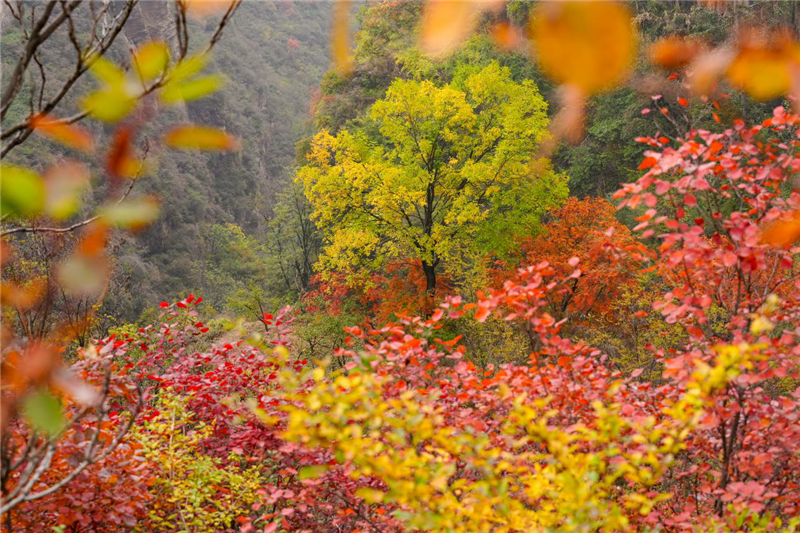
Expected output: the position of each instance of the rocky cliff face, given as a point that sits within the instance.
(151, 21)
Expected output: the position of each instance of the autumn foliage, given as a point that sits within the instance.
(655, 377)
(586, 230)
(408, 433)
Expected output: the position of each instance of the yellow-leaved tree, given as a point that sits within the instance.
(437, 173)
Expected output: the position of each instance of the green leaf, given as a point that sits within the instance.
(43, 411)
(105, 70)
(22, 191)
(191, 90)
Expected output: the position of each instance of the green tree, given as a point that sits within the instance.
(445, 172)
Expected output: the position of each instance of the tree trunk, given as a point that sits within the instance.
(430, 277)
(429, 270)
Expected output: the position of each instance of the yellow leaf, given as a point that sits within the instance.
(105, 70)
(188, 67)
(447, 23)
(370, 495)
(110, 104)
(60, 131)
(191, 90)
(151, 59)
(761, 324)
(200, 138)
(312, 472)
(340, 36)
(587, 44)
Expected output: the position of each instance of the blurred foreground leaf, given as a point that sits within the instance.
(43, 411)
(151, 59)
(22, 191)
(132, 214)
(65, 184)
(587, 44)
(340, 36)
(200, 138)
(66, 134)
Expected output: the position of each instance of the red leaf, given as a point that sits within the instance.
(120, 162)
(647, 163)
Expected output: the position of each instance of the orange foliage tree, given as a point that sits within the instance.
(585, 230)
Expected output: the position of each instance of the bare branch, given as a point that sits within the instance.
(22, 130)
(22, 492)
(222, 23)
(39, 34)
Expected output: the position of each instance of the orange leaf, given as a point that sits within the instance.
(695, 332)
(94, 239)
(6, 252)
(60, 131)
(674, 52)
(506, 35)
(21, 297)
(204, 8)
(447, 23)
(587, 44)
(707, 68)
(783, 232)
(762, 68)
